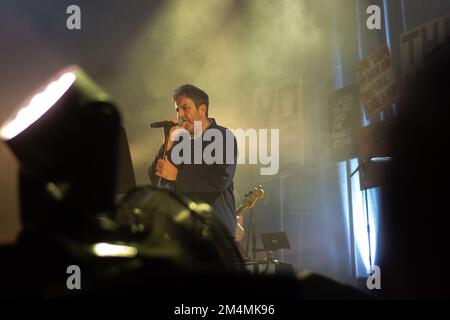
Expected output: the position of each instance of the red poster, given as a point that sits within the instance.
(376, 81)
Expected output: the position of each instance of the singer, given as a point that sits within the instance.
(201, 182)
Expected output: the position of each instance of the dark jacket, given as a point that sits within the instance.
(208, 183)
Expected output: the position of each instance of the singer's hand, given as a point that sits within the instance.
(172, 130)
(165, 169)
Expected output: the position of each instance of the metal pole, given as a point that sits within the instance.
(166, 142)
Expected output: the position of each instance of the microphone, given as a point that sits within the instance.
(163, 124)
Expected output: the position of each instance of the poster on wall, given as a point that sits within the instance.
(344, 117)
(375, 150)
(417, 42)
(376, 81)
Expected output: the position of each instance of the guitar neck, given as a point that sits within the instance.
(250, 200)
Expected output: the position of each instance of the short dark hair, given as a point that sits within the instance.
(192, 92)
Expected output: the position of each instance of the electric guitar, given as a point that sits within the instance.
(249, 202)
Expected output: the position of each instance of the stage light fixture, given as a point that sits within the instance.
(65, 139)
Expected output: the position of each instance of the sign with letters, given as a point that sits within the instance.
(344, 117)
(376, 81)
(416, 43)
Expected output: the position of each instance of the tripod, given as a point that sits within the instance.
(252, 235)
(363, 165)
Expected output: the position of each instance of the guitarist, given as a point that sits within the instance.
(240, 231)
(249, 202)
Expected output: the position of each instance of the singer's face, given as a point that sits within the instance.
(187, 111)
